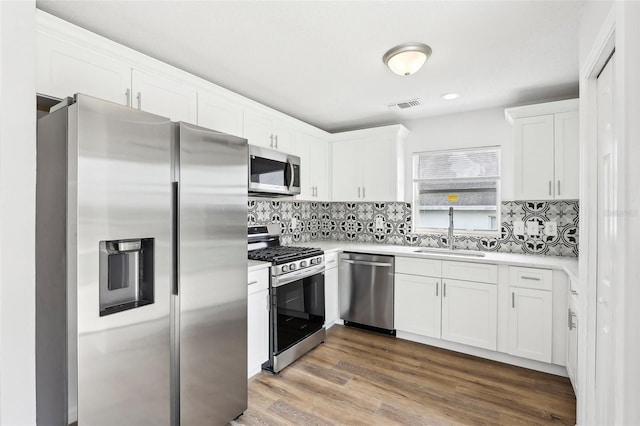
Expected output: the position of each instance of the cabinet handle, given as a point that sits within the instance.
(358, 192)
(363, 192)
(558, 187)
(139, 97)
(253, 282)
(444, 289)
(550, 187)
(276, 139)
(570, 323)
(271, 138)
(524, 277)
(437, 283)
(513, 299)
(573, 292)
(268, 302)
(128, 95)
(315, 191)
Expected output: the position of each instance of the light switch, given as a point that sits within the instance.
(379, 223)
(532, 228)
(294, 222)
(551, 229)
(518, 227)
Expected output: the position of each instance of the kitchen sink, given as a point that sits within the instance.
(455, 252)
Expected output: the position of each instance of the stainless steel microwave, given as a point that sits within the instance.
(273, 173)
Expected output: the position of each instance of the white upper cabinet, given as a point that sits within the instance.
(264, 128)
(65, 68)
(546, 146)
(367, 165)
(220, 112)
(164, 96)
(314, 179)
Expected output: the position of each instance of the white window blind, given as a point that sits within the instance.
(468, 164)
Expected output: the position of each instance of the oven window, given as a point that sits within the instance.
(270, 172)
(299, 310)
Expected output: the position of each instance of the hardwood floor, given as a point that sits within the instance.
(358, 377)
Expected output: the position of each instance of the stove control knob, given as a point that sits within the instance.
(285, 268)
(313, 261)
(319, 260)
(292, 267)
(303, 264)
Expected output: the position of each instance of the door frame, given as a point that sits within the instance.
(601, 50)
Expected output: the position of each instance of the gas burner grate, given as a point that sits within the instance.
(283, 254)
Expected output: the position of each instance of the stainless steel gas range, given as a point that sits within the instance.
(296, 294)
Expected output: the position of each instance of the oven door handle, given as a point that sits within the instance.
(295, 276)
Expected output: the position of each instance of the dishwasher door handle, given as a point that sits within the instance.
(362, 262)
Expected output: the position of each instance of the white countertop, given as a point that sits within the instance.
(567, 264)
(255, 265)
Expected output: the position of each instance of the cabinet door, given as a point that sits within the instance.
(219, 113)
(331, 307)
(469, 313)
(530, 319)
(534, 152)
(346, 158)
(417, 304)
(313, 158)
(379, 180)
(284, 137)
(64, 69)
(572, 348)
(257, 321)
(258, 128)
(164, 96)
(567, 156)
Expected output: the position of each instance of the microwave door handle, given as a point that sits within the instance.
(291, 174)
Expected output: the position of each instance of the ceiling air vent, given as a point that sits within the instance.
(405, 104)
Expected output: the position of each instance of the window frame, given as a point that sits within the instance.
(415, 205)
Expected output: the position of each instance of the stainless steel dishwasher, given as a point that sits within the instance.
(366, 291)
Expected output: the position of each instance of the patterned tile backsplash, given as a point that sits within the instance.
(356, 222)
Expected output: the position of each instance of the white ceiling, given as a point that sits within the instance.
(321, 61)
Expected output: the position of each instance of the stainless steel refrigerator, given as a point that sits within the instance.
(141, 269)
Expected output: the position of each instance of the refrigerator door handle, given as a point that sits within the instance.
(175, 203)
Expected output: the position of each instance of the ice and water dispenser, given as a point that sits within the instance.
(126, 274)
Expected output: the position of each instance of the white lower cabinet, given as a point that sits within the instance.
(470, 313)
(572, 342)
(257, 320)
(530, 316)
(417, 304)
(530, 313)
(331, 303)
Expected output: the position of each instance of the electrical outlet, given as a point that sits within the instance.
(518, 227)
(379, 223)
(294, 222)
(532, 228)
(551, 229)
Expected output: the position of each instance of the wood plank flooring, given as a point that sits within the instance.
(358, 377)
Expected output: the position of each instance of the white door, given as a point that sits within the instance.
(346, 182)
(470, 313)
(530, 333)
(534, 157)
(607, 233)
(164, 96)
(417, 304)
(219, 113)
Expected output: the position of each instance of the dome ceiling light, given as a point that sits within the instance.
(407, 58)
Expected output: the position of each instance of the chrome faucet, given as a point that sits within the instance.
(450, 235)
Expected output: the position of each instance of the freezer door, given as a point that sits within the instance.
(212, 275)
(119, 200)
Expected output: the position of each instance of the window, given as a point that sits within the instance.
(467, 180)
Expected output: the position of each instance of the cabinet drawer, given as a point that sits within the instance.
(258, 280)
(415, 266)
(467, 271)
(530, 277)
(331, 260)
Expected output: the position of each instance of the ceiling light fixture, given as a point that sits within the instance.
(450, 96)
(407, 58)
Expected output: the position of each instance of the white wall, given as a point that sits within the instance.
(592, 16)
(17, 212)
(480, 128)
